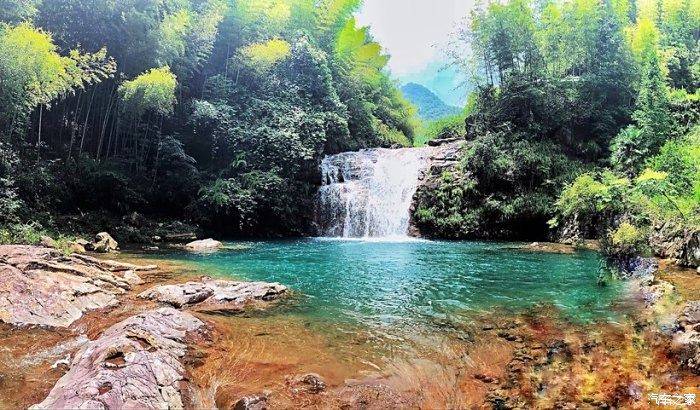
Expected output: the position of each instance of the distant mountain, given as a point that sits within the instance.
(430, 106)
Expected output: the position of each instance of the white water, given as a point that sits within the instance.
(368, 194)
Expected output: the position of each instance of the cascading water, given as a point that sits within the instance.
(368, 194)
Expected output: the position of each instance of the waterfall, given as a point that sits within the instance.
(368, 194)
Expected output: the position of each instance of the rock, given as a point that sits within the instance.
(137, 363)
(113, 266)
(48, 242)
(204, 245)
(189, 293)
(103, 243)
(132, 278)
(690, 315)
(252, 402)
(40, 286)
(76, 247)
(686, 340)
(214, 295)
(313, 383)
(652, 290)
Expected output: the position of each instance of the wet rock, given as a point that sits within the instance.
(204, 245)
(313, 383)
(252, 402)
(486, 379)
(41, 286)
(559, 350)
(103, 243)
(214, 295)
(136, 363)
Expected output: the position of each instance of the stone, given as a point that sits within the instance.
(136, 363)
(48, 242)
(252, 402)
(314, 383)
(690, 315)
(204, 245)
(132, 278)
(214, 295)
(76, 247)
(189, 293)
(104, 243)
(41, 286)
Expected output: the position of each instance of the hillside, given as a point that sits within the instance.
(430, 106)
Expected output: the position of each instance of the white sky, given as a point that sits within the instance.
(413, 31)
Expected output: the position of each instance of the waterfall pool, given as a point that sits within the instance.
(382, 284)
(427, 324)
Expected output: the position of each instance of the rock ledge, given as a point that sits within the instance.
(137, 363)
(214, 295)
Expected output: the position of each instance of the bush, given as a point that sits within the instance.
(626, 240)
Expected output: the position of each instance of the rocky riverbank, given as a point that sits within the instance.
(143, 360)
(84, 331)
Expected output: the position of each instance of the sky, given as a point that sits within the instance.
(415, 33)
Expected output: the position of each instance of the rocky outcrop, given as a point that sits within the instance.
(137, 363)
(686, 339)
(103, 243)
(680, 245)
(41, 286)
(214, 295)
(204, 245)
(444, 157)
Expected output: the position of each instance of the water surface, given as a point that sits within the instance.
(395, 284)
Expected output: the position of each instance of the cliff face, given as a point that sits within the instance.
(444, 157)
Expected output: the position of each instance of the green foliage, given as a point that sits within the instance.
(17, 11)
(34, 73)
(504, 189)
(627, 240)
(665, 191)
(152, 91)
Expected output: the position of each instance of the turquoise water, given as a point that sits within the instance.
(402, 283)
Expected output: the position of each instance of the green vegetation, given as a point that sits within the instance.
(214, 111)
(606, 90)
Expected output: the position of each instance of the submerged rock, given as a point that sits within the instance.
(137, 363)
(204, 245)
(214, 295)
(41, 286)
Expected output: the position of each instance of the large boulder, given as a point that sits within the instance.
(204, 245)
(103, 243)
(214, 295)
(137, 363)
(41, 286)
